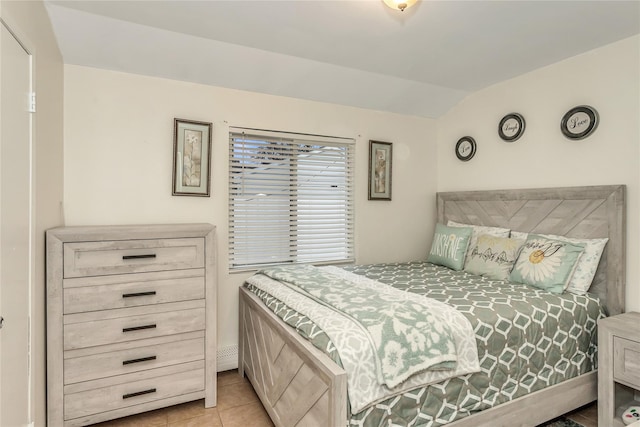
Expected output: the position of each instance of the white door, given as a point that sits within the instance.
(15, 233)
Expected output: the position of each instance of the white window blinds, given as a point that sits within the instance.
(290, 199)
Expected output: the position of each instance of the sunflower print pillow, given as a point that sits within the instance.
(546, 263)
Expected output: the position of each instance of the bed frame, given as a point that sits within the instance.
(301, 386)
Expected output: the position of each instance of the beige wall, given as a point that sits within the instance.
(118, 157)
(31, 23)
(118, 142)
(607, 79)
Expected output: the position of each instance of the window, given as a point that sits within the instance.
(290, 199)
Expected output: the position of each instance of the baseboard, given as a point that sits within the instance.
(227, 358)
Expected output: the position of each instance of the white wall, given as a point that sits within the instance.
(118, 157)
(608, 79)
(30, 21)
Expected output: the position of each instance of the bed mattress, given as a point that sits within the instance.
(527, 339)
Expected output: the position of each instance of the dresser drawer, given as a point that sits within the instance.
(131, 393)
(626, 366)
(111, 363)
(130, 290)
(131, 256)
(120, 329)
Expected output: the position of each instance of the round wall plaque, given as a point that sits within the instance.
(579, 122)
(465, 148)
(511, 127)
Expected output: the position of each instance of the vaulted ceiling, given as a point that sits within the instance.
(352, 52)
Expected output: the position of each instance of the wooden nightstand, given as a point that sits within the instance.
(618, 367)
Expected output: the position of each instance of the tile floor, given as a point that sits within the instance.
(587, 415)
(238, 406)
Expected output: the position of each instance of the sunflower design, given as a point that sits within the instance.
(543, 261)
(536, 256)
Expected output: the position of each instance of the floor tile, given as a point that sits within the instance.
(187, 410)
(208, 419)
(236, 394)
(229, 377)
(587, 415)
(252, 415)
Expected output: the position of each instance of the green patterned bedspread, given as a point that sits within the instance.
(527, 339)
(406, 337)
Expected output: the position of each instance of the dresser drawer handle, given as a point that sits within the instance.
(138, 294)
(138, 328)
(142, 359)
(127, 257)
(138, 393)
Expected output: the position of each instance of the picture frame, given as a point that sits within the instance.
(380, 170)
(579, 122)
(191, 158)
(466, 148)
(511, 127)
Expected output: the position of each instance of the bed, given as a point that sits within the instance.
(299, 385)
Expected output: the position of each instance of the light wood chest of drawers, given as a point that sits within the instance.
(131, 320)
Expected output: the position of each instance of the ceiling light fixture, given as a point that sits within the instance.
(400, 5)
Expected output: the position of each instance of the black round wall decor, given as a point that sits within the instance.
(511, 127)
(579, 122)
(465, 148)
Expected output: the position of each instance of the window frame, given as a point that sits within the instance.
(335, 154)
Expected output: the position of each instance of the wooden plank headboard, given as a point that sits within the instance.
(581, 212)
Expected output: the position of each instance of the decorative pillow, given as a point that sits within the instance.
(520, 235)
(478, 230)
(493, 256)
(546, 263)
(587, 264)
(450, 246)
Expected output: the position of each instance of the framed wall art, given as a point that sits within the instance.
(191, 158)
(579, 122)
(380, 162)
(466, 148)
(511, 127)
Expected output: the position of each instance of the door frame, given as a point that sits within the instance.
(11, 25)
